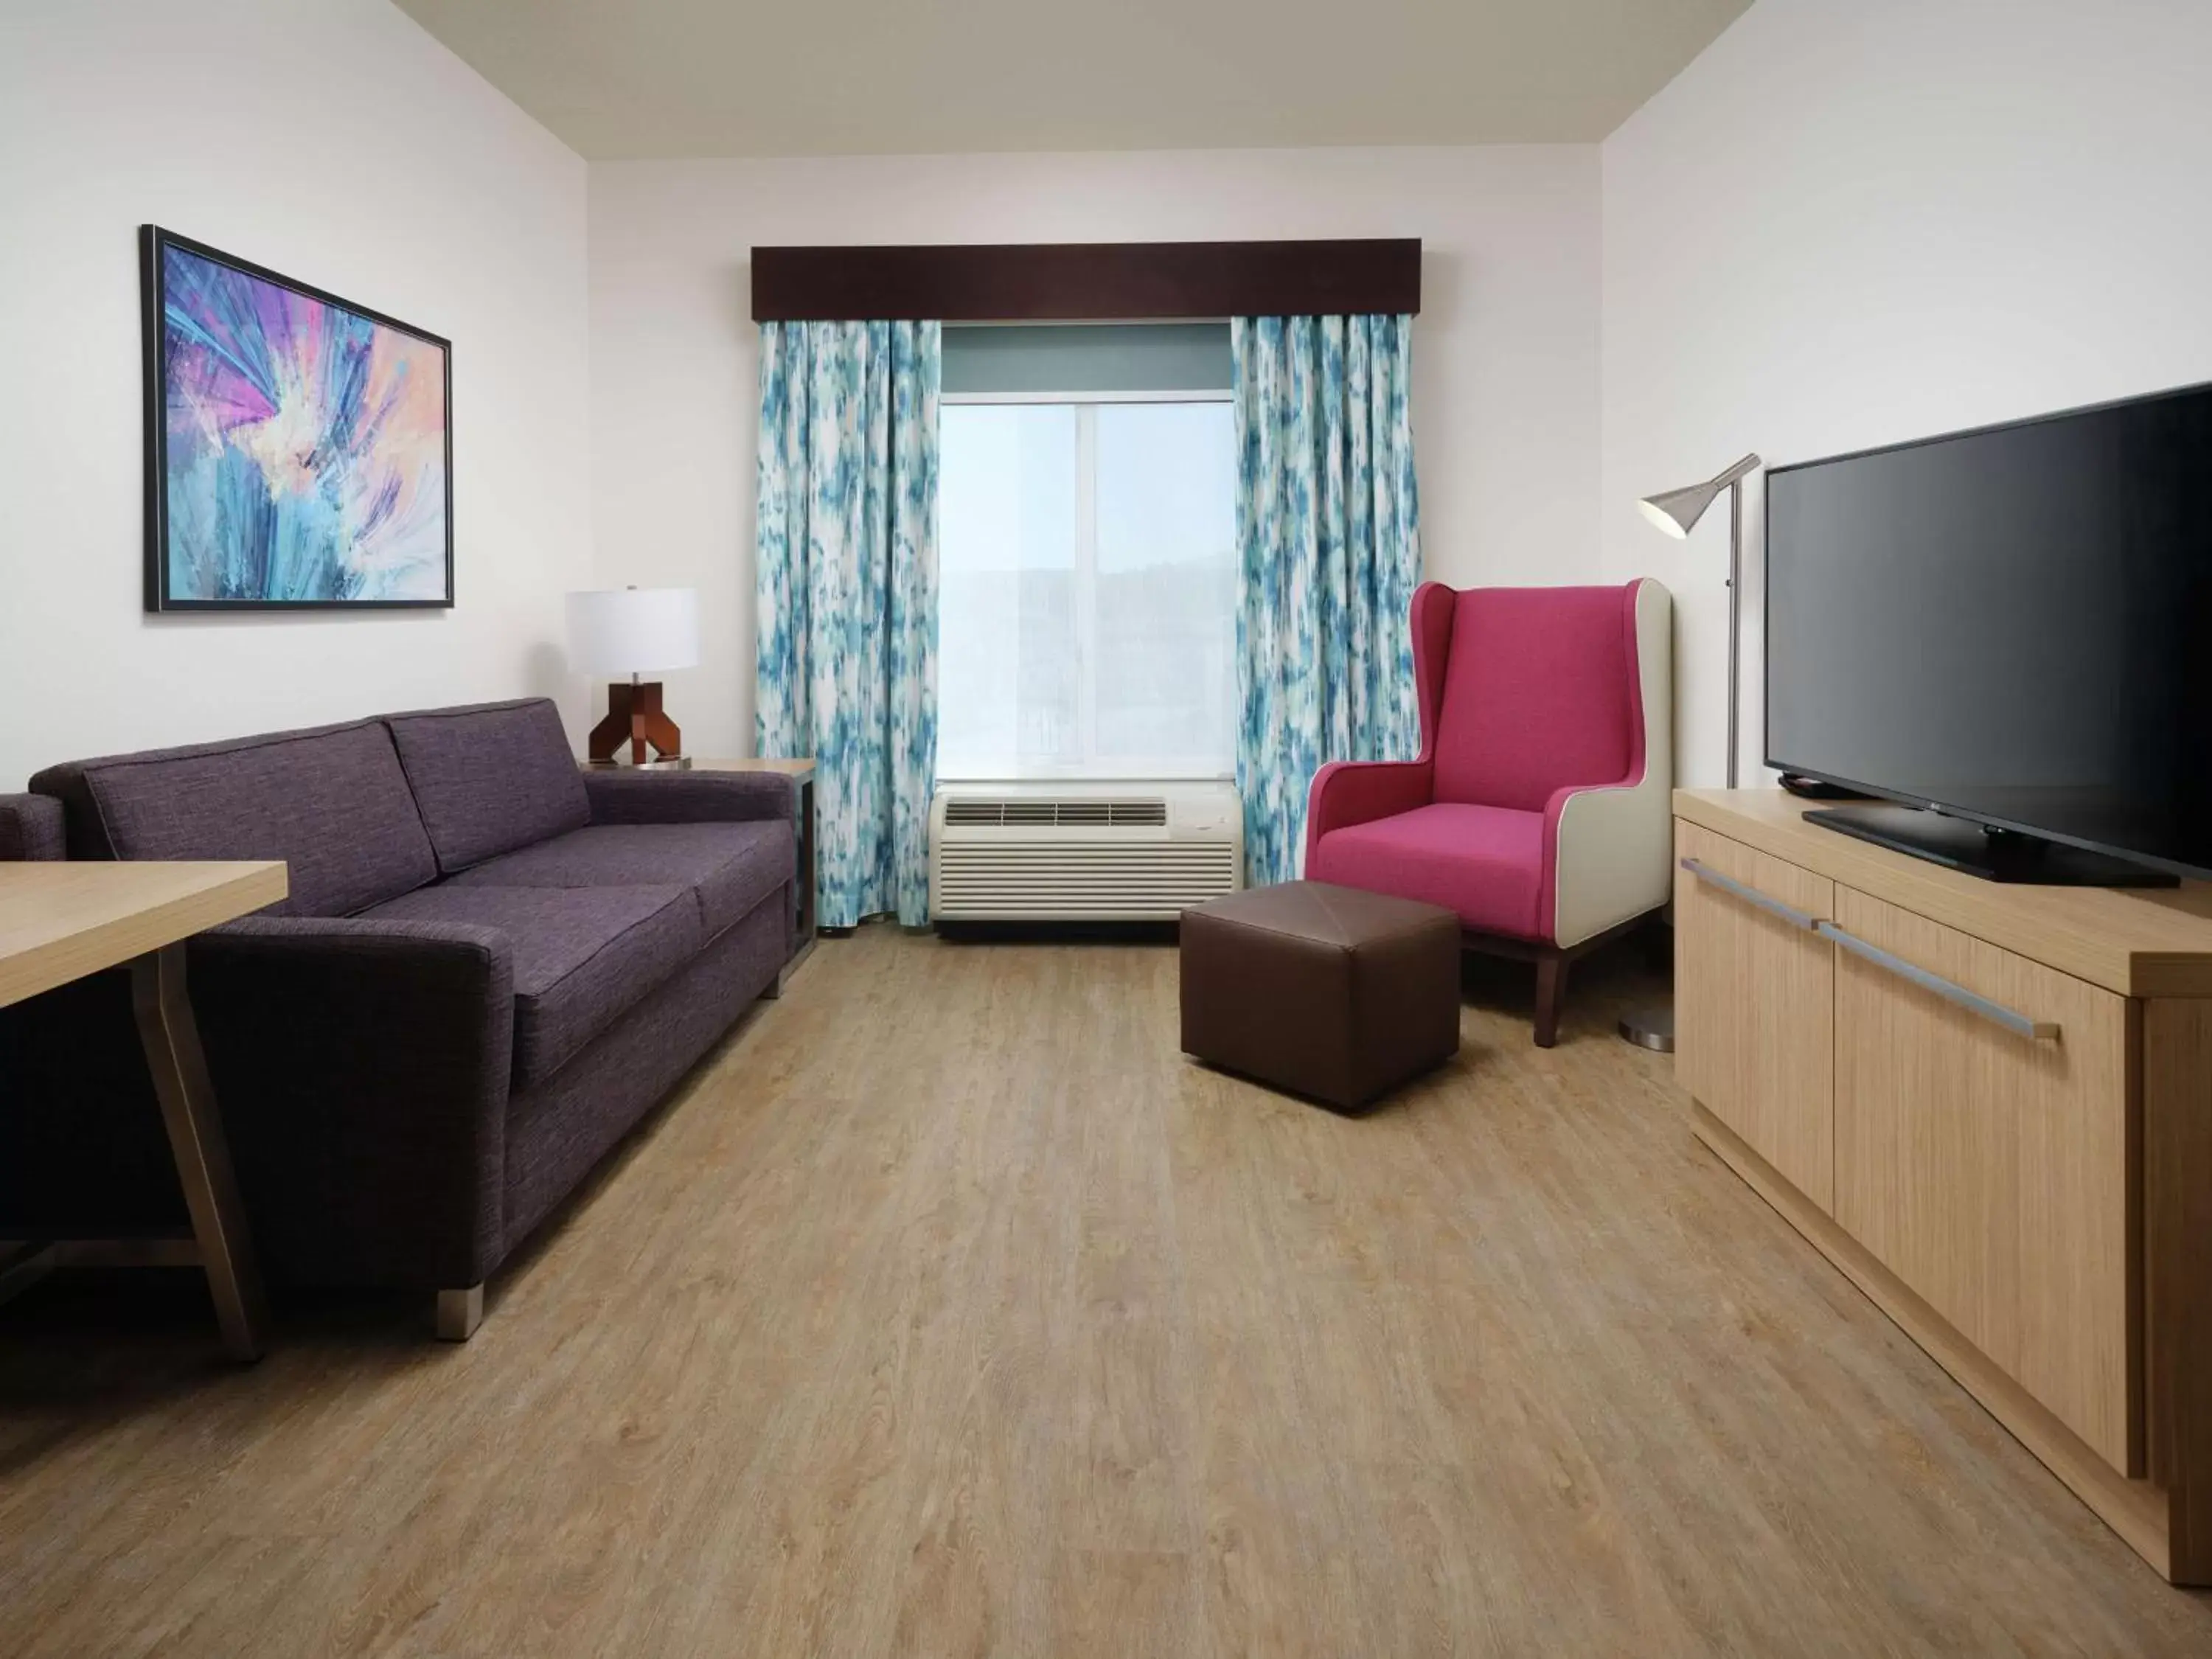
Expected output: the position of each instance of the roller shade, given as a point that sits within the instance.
(1100, 357)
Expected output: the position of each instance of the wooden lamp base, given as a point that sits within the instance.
(635, 717)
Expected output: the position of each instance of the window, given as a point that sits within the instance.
(1087, 590)
(1087, 579)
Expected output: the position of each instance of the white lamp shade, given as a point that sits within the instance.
(634, 631)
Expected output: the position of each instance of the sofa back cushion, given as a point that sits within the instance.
(332, 803)
(491, 778)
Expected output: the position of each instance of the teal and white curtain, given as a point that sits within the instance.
(1328, 537)
(846, 562)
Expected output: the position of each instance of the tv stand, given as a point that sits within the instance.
(1992, 854)
(1987, 1105)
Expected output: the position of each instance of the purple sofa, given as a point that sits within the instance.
(491, 966)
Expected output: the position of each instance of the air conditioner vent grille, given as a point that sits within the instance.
(1013, 879)
(1031, 853)
(974, 811)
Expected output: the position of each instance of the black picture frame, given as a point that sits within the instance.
(153, 241)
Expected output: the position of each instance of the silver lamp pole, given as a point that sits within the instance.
(1676, 512)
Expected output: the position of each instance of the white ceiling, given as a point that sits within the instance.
(664, 78)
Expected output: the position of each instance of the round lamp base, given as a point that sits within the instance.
(1650, 1028)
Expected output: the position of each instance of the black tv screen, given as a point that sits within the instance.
(2013, 625)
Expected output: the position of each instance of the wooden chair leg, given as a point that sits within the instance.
(1551, 992)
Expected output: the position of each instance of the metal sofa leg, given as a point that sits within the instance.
(459, 1313)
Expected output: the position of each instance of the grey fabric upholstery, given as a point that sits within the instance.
(582, 955)
(628, 797)
(332, 803)
(729, 867)
(491, 778)
(30, 828)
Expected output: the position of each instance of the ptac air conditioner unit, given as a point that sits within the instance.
(1102, 852)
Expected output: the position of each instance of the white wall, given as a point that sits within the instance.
(1841, 225)
(1849, 224)
(335, 142)
(1505, 373)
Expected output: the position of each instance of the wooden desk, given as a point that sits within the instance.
(61, 921)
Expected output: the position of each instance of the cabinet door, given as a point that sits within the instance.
(1987, 1167)
(1754, 1002)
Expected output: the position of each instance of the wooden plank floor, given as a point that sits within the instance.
(948, 1311)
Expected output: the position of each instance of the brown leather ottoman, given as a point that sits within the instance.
(1324, 990)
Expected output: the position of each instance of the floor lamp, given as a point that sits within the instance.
(1676, 512)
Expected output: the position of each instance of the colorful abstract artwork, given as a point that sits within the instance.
(299, 446)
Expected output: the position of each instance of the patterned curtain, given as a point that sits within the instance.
(1327, 533)
(846, 558)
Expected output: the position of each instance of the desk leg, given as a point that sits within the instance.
(172, 1042)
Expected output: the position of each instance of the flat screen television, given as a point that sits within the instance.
(2007, 634)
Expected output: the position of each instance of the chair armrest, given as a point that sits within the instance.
(1345, 792)
(1605, 852)
(30, 828)
(688, 797)
(362, 1068)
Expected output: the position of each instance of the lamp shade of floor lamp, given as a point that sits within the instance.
(634, 631)
(1676, 512)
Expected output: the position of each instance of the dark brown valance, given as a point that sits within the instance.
(1087, 281)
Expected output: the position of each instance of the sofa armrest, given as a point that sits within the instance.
(362, 1068)
(620, 796)
(30, 828)
(1346, 792)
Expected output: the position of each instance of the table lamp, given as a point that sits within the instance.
(634, 631)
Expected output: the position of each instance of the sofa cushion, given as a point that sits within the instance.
(582, 955)
(731, 867)
(490, 778)
(332, 803)
(1486, 863)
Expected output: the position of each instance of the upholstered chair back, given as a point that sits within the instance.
(1535, 691)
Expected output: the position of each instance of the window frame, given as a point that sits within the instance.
(1085, 406)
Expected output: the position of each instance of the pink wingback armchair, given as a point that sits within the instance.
(1538, 808)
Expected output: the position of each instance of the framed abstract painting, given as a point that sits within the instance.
(299, 447)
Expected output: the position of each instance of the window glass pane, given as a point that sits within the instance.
(1087, 581)
(1006, 643)
(1166, 676)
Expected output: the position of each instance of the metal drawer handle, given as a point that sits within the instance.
(2037, 1030)
(1751, 895)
